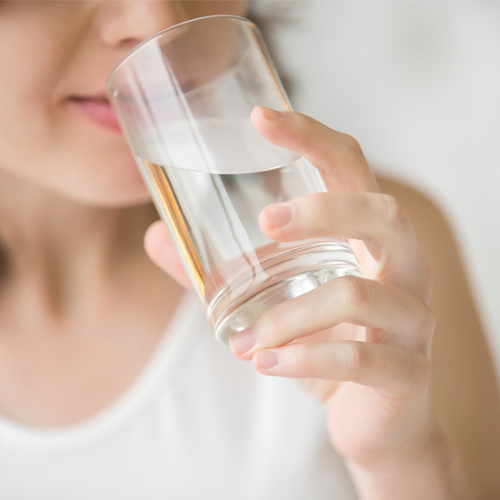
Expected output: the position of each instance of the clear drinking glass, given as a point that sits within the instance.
(184, 98)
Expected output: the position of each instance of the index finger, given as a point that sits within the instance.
(337, 156)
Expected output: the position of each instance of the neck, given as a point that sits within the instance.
(61, 248)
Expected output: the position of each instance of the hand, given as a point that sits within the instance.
(362, 344)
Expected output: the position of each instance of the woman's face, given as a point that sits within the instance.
(56, 128)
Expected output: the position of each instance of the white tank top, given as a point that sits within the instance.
(196, 424)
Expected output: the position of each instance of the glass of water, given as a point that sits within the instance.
(184, 98)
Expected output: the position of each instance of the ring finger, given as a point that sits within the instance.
(404, 320)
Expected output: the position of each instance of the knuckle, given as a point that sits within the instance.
(394, 213)
(415, 373)
(352, 291)
(356, 360)
(352, 143)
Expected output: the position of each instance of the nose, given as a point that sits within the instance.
(126, 23)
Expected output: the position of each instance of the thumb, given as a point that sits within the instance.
(161, 250)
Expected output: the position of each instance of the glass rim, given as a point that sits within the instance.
(160, 34)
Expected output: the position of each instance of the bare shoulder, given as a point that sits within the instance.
(465, 384)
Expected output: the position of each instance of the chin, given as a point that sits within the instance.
(113, 185)
(115, 200)
(111, 180)
(116, 195)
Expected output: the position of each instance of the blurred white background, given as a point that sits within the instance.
(418, 84)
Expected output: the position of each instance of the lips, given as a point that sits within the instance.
(97, 109)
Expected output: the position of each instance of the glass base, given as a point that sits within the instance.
(318, 264)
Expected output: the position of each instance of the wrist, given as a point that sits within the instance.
(423, 469)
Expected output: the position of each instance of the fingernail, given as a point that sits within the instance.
(279, 215)
(266, 359)
(243, 341)
(271, 114)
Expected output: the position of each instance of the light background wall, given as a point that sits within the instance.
(418, 84)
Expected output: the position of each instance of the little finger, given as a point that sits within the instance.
(386, 367)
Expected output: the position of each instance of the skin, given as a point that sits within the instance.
(75, 261)
(73, 212)
(374, 332)
(455, 448)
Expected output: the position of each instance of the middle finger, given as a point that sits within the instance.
(377, 219)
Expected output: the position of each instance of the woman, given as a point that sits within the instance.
(98, 401)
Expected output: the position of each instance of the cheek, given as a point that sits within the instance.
(76, 160)
(24, 132)
(24, 110)
(26, 120)
(47, 144)
(41, 141)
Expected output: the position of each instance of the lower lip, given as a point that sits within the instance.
(99, 112)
